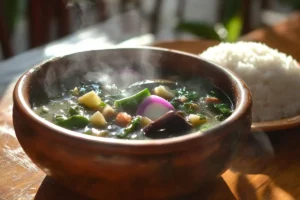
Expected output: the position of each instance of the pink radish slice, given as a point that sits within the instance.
(154, 107)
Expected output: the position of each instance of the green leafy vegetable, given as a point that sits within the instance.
(130, 128)
(74, 110)
(132, 101)
(188, 107)
(175, 103)
(73, 122)
(190, 95)
(223, 108)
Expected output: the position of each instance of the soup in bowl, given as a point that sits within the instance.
(131, 122)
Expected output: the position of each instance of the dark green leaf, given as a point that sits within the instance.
(73, 122)
(190, 95)
(132, 101)
(223, 108)
(188, 107)
(130, 128)
(74, 110)
(175, 103)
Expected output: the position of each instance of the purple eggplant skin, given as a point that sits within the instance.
(169, 124)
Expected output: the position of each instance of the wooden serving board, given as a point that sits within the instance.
(279, 179)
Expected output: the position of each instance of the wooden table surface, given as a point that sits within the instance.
(278, 180)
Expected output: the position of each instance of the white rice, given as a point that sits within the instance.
(272, 76)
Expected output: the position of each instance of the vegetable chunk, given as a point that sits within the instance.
(98, 119)
(149, 109)
(132, 101)
(197, 120)
(108, 111)
(123, 119)
(154, 107)
(90, 100)
(163, 92)
(168, 124)
(72, 122)
(145, 121)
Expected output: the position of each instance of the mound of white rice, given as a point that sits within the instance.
(273, 77)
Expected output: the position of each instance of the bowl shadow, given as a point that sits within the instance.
(51, 189)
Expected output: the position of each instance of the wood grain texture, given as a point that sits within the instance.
(279, 180)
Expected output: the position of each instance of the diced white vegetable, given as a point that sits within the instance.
(90, 99)
(98, 119)
(163, 92)
(108, 111)
(196, 120)
(145, 121)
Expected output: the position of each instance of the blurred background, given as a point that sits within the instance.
(27, 24)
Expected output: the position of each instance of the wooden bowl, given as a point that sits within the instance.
(119, 169)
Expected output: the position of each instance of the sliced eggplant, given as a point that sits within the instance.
(169, 124)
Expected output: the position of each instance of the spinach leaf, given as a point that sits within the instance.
(130, 128)
(190, 95)
(189, 107)
(223, 108)
(175, 103)
(74, 110)
(73, 122)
